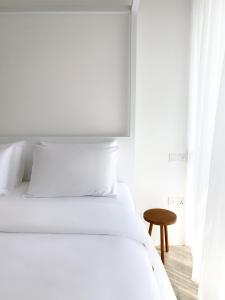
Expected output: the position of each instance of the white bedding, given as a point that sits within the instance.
(77, 249)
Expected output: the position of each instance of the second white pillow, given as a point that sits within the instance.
(67, 170)
(11, 166)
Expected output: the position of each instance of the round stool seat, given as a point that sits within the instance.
(163, 218)
(159, 216)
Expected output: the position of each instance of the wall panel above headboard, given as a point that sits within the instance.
(65, 74)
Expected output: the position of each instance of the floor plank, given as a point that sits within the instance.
(178, 264)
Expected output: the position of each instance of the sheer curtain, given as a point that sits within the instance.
(205, 209)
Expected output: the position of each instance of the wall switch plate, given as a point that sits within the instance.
(180, 157)
(175, 200)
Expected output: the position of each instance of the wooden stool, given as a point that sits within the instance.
(163, 218)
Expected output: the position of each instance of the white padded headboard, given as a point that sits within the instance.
(65, 74)
(126, 154)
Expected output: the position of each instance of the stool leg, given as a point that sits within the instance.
(150, 229)
(166, 238)
(162, 242)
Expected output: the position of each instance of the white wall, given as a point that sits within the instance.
(64, 74)
(161, 106)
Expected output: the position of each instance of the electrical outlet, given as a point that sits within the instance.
(181, 157)
(175, 200)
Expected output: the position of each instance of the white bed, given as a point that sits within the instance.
(78, 248)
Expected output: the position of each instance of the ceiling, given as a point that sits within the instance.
(63, 5)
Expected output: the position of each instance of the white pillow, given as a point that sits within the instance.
(11, 166)
(68, 170)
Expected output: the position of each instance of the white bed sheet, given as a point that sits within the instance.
(55, 259)
(19, 194)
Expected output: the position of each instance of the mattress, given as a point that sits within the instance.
(78, 248)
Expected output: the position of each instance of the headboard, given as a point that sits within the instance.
(65, 74)
(126, 153)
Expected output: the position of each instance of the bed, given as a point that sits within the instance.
(72, 232)
(81, 248)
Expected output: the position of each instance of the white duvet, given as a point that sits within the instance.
(82, 248)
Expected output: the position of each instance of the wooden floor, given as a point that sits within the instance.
(178, 264)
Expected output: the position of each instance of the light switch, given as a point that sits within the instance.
(180, 157)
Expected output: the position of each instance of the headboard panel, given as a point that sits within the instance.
(126, 156)
(65, 74)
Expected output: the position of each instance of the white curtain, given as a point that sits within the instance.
(205, 208)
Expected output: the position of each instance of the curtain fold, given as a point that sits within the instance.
(212, 277)
(206, 118)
